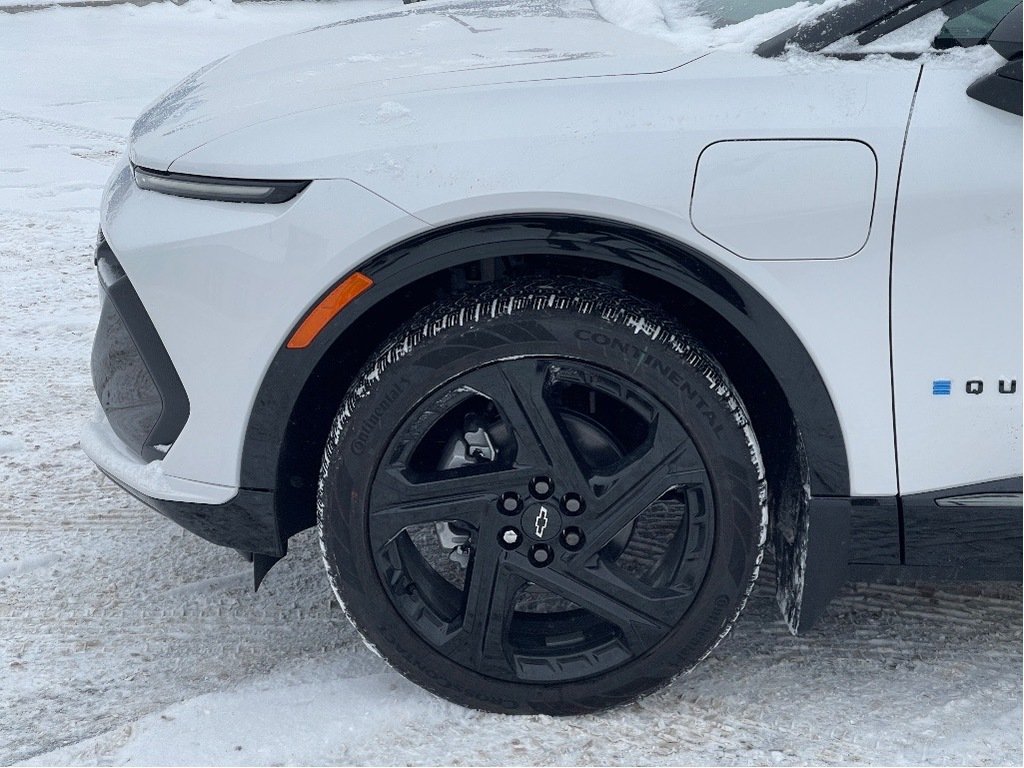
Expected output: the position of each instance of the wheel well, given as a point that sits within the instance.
(315, 408)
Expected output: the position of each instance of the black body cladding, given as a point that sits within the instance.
(962, 536)
(586, 240)
(246, 523)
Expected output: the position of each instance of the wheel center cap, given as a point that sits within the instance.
(541, 521)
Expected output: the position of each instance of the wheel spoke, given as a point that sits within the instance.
(420, 421)
(541, 438)
(667, 461)
(481, 638)
(392, 487)
(387, 523)
(687, 549)
(639, 616)
(666, 604)
(668, 449)
(467, 498)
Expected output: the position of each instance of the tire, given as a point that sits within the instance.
(598, 485)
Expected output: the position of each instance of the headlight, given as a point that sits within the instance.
(212, 188)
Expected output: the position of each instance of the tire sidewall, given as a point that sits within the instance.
(670, 367)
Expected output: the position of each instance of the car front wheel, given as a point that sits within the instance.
(542, 498)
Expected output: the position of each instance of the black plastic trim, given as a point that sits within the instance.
(875, 531)
(906, 574)
(247, 522)
(581, 237)
(963, 539)
(174, 410)
(858, 539)
(840, 535)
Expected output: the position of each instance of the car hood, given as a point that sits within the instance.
(425, 47)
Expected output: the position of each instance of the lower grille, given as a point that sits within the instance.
(138, 388)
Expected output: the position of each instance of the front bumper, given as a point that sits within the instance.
(143, 408)
(243, 519)
(224, 285)
(198, 297)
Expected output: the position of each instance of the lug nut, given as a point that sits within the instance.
(572, 504)
(572, 538)
(541, 555)
(509, 538)
(541, 487)
(510, 503)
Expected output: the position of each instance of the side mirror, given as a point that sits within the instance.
(1002, 88)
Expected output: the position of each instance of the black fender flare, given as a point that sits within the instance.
(562, 235)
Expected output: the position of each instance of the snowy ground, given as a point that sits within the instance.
(125, 640)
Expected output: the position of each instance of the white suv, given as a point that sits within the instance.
(550, 326)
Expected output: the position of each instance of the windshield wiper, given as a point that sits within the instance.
(869, 20)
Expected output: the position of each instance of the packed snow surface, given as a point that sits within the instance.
(124, 639)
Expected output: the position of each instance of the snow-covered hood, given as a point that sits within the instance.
(425, 47)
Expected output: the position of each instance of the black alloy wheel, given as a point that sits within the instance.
(544, 499)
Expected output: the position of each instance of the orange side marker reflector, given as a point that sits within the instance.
(335, 301)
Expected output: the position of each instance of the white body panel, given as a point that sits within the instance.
(393, 155)
(957, 288)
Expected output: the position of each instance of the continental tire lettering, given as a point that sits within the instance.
(370, 424)
(633, 352)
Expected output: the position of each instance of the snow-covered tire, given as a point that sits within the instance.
(591, 402)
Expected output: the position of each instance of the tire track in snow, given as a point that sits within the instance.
(138, 617)
(103, 137)
(25, 519)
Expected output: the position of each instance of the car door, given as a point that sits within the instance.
(956, 304)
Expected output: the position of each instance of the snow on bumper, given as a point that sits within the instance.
(112, 456)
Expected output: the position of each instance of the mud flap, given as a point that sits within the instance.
(261, 565)
(812, 552)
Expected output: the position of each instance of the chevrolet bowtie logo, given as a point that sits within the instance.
(541, 523)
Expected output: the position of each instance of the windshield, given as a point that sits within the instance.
(696, 25)
(725, 12)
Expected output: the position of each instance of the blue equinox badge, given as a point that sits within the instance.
(942, 387)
